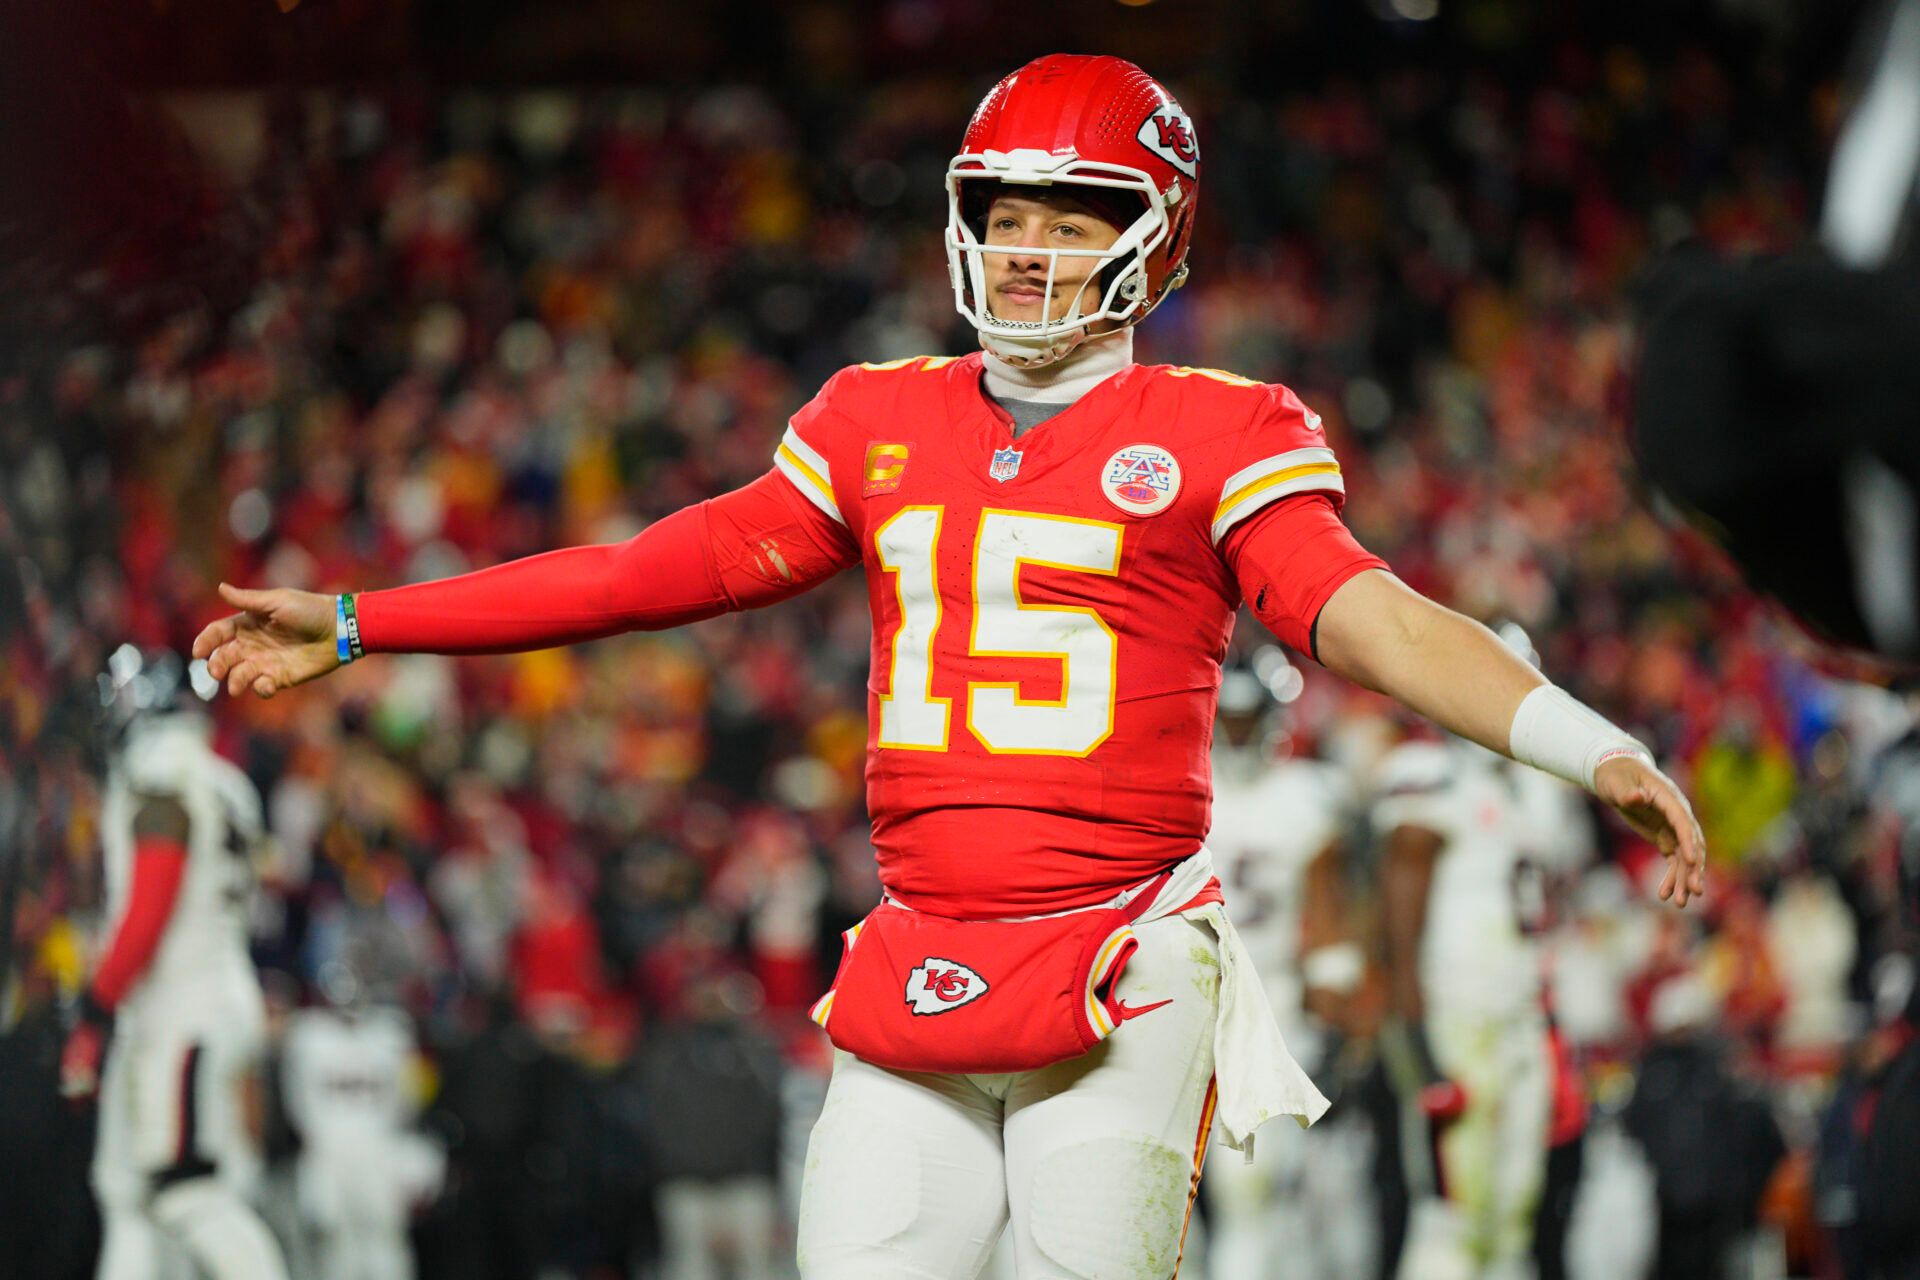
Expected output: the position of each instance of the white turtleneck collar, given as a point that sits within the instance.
(1065, 380)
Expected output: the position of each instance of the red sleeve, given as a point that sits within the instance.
(1290, 559)
(158, 865)
(1282, 453)
(752, 547)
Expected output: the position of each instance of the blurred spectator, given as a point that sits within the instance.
(347, 1075)
(1743, 783)
(713, 1086)
(1869, 1153)
(1815, 941)
(487, 1224)
(49, 1226)
(1711, 1140)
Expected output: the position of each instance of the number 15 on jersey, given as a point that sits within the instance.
(1003, 626)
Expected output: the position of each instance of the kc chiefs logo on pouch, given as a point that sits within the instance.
(937, 985)
(1168, 133)
(886, 465)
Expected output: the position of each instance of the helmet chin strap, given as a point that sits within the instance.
(1049, 344)
(1035, 352)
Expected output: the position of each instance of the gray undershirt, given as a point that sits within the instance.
(1027, 414)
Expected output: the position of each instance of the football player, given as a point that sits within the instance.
(1471, 846)
(362, 1167)
(173, 1007)
(1055, 541)
(1277, 836)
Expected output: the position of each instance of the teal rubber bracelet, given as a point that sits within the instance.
(342, 648)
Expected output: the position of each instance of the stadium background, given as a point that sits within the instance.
(345, 295)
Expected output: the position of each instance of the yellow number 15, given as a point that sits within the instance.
(1004, 626)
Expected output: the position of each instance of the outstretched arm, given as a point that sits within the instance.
(160, 829)
(757, 545)
(1380, 633)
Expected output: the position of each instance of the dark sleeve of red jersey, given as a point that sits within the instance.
(755, 546)
(159, 864)
(1290, 558)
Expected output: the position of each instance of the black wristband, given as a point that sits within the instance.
(91, 1010)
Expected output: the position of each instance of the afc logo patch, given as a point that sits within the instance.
(1005, 465)
(1168, 133)
(936, 986)
(886, 465)
(1141, 479)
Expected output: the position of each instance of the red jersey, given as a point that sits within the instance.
(1049, 614)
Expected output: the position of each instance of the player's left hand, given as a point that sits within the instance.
(83, 1053)
(1654, 806)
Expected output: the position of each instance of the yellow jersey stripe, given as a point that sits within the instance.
(1096, 1012)
(808, 481)
(1272, 463)
(800, 465)
(1246, 491)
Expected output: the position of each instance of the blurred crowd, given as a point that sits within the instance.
(603, 883)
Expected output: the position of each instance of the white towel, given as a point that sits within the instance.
(1257, 1077)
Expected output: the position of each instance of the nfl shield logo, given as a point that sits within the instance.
(1006, 464)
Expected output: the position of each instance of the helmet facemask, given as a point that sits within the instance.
(140, 689)
(1115, 291)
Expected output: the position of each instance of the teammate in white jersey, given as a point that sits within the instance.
(1278, 819)
(1470, 844)
(362, 1167)
(173, 1007)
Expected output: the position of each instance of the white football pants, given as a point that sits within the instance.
(1492, 1159)
(173, 1156)
(1091, 1162)
(1303, 1209)
(357, 1188)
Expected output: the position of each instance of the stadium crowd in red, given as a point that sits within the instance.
(483, 325)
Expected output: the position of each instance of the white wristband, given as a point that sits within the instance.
(1337, 967)
(1554, 732)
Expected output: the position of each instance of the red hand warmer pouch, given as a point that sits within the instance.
(917, 992)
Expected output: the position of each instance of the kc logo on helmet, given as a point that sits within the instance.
(937, 985)
(1168, 133)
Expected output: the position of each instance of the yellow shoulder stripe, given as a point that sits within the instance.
(926, 363)
(1217, 375)
(800, 465)
(1247, 490)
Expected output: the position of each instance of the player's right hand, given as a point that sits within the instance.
(1439, 1096)
(84, 1051)
(279, 639)
(1442, 1100)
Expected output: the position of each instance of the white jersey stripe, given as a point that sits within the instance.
(798, 462)
(1267, 466)
(1320, 477)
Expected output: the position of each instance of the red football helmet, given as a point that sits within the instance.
(1094, 122)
